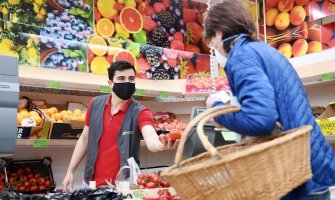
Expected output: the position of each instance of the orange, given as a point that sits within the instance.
(70, 112)
(57, 116)
(24, 114)
(55, 110)
(131, 20)
(50, 112)
(19, 119)
(105, 28)
(98, 45)
(37, 119)
(33, 113)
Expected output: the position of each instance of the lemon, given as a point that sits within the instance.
(39, 2)
(36, 41)
(105, 28)
(32, 53)
(30, 42)
(39, 16)
(98, 46)
(42, 11)
(4, 10)
(99, 65)
(7, 42)
(106, 8)
(14, 2)
(36, 10)
(131, 3)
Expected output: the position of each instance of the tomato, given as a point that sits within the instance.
(141, 187)
(151, 175)
(141, 182)
(47, 183)
(174, 135)
(23, 178)
(141, 176)
(27, 184)
(42, 187)
(13, 175)
(32, 180)
(19, 171)
(37, 175)
(150, 185)
(22, 188)
(2, 176)
(1, 187)
(27, 170)
(33, 188)
(155, 179)
(2, 183)
(12, 180)
(41, 181)
(164, 183)
(30, 176)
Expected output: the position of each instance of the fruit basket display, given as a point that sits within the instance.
(204, 83)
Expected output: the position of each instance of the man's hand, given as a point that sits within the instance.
(170, 145)
(68, 182)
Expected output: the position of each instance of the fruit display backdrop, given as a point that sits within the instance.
(288, 28)
(69, 19)
(20, 40)
(30, 12)
(322, 8)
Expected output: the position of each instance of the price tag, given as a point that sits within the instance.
(138, 194)
(105, 89)
(164, 94)
(40, 143)
(139, 92)
(327, 77)
(54, 84)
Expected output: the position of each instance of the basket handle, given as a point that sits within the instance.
(202, 119)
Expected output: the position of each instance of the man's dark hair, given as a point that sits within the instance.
(119, 66)
(231, 17)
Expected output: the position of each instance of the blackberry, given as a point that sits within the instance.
(166, 44)
(166, 19)
(152, 56)
(160, 74)
(157, 36)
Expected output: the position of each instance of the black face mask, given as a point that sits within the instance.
(124, 90)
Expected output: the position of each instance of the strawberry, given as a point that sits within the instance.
(138, 1)
(190, 15)
(97, 15)
(90, 55)
(166, 3)
(149, 24)
(148, 10)
(178, 36)
(172, 62)
(144, 64)
(185, 55)
(185, 4)
(177, 44)
(159, 7)
(186, 67)
(116, 19)
(200, 17)
(193, 33)
(205, 47)
(118, 6)
(192, 48)
(202, 63)
(170, 53)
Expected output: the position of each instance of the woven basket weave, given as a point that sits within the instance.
(261, 169)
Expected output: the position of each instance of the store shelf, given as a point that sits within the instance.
(312, 66)
(54, 143)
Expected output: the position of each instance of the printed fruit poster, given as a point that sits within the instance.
(288, 28)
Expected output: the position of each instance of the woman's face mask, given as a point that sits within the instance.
(222, 60)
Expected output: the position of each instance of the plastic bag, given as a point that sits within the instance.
(127, 175)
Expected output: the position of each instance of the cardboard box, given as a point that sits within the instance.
(326, 124)
(35, 132)
(69, 129)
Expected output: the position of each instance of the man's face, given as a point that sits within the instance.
(123, 76)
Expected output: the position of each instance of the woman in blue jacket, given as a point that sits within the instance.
(268, 90)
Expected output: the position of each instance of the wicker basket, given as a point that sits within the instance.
(261, 169)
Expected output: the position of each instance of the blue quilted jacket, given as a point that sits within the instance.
(269, 90)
